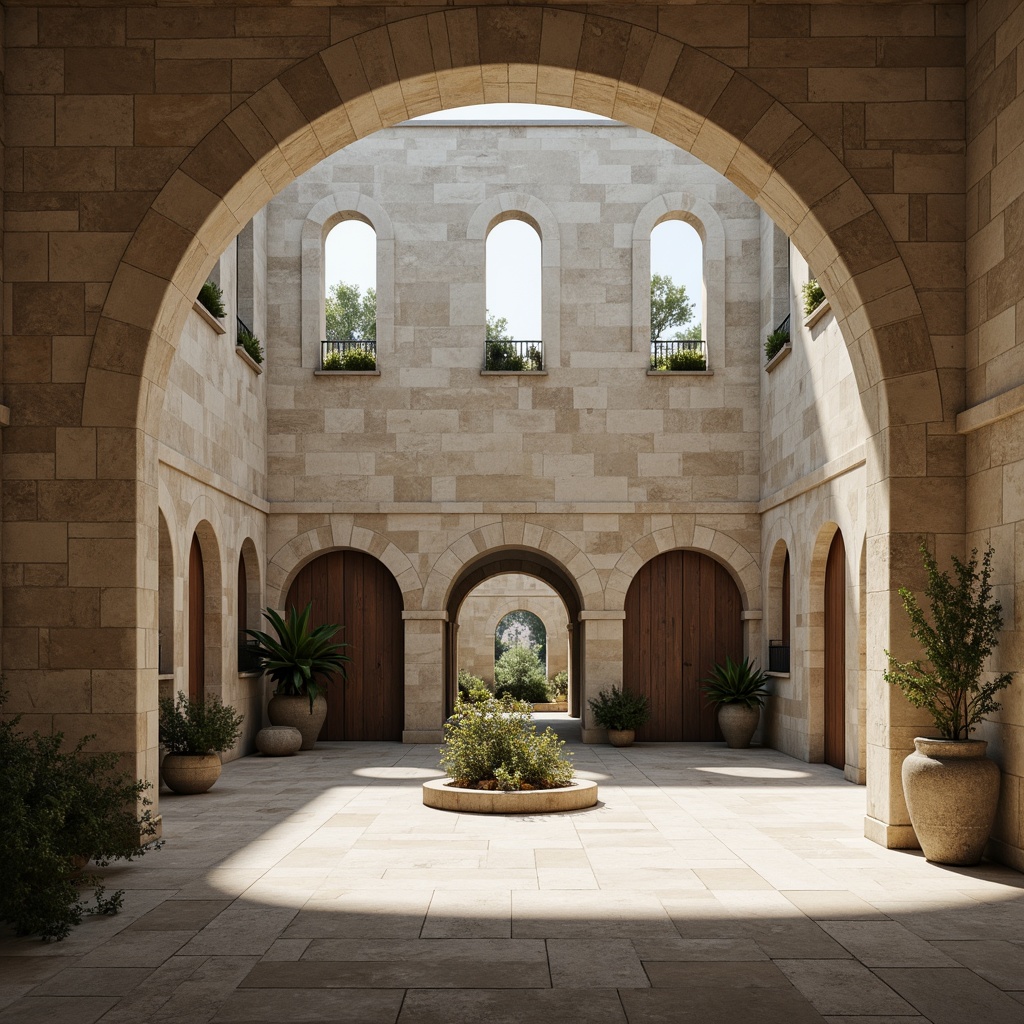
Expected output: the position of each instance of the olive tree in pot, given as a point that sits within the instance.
(621, 713)
(951, 787)
(297, 660)
(737, 689)
(195, 733)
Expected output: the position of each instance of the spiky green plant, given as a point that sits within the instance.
(965, 619)
(298, 655)
(736, 683)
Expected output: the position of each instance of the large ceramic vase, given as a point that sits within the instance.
(621, 737)
(952, 789)
(738, 723)
(190, 773)
(294, 711)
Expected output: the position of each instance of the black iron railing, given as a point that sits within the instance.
(242, 326)
(356, 354)
(688, 354)
(778, 655)
(513, 355)
(783, 327)
(248, 656)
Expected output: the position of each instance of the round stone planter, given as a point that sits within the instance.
(278, 741)
(190, 773)
(952, 789)
(738, 723)
(621, 737)
(437, 793)
(294, 711)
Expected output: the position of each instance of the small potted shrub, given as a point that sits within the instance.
(297, 660)
(738, 691)
(951, 787)
(813, 296)
(774, 344)
(195, 733)
(250, 344)
(494, 745)
(212, 298)
(621, 713)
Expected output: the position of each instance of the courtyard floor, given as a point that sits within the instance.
(707, 886)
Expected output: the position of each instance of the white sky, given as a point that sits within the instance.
(513, 248)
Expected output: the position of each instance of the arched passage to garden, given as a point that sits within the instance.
(516, 563)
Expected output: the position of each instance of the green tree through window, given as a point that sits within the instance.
(351, 314)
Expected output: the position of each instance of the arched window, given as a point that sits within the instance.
(677, 297)
(521, 628)
(350, 297)
(247, 605)
(514, 297)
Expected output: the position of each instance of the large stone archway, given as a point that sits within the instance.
(348, 81)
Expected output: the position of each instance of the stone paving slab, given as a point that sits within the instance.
(708, 886)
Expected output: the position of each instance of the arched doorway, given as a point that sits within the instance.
(835, 653)
(682, 618)
(196, 622)
(357, 592)
(516, 563)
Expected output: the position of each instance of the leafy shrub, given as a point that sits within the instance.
(965, 619)
(332, 361)
(736, 683)
(61, 809)
(813, 296)
(203, 726)
(535, 358)
(774, 343)
(502, 355)
(495, 745)
(250, 343)
(519, 673)
(472, 688)
(212, 298)
(682, 359)
(558, 687)
(620, 709)
(350, 359)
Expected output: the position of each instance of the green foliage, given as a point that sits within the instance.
(204, 726)
(620, 709)
(298, 655)
(472, 688)
(965, 619)
(692, 333)
(60, 809)
(813, 296)
(774, 343)
(250, 343)
(519, 673)
(494, 745)
(502, 355)
(358, 359)
(332, 361)
(520, 628)
(212, 298)
(669, 305)
(558, 687)
(736, 683)
(351, 315)
(497, 328)
(683, 359)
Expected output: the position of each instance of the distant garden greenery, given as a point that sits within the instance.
(351, 314)
(670, 307)
(520, 674)
(521, 628)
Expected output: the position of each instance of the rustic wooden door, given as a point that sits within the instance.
(835, 654)
(682, 617)
(358, 593)
(196, 622)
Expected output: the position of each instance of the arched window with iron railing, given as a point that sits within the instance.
(513, 339)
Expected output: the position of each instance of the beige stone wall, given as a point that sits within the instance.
(813, 482)
(212, 480)
(993, 421)
(490, 602)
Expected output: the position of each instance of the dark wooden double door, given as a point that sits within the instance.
(356, 591)
(682, 618)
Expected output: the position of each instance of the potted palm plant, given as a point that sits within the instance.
(737, 688)
(951, 787)
(195, 733)
(621, 713)
(297, 660)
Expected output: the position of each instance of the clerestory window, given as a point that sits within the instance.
(349, 340)
(514, 297)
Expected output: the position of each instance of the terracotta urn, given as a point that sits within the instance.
(738, 723)
(952, 790)
(294, 711)
(190, 773)
(621, 737)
